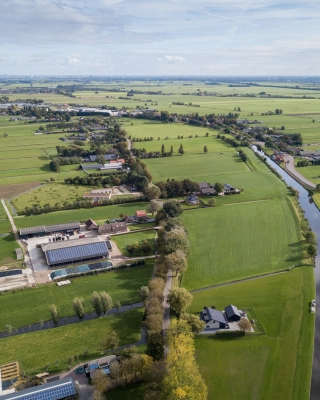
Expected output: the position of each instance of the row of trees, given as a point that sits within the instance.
(175, 188)
(142, 248)
(101, 303)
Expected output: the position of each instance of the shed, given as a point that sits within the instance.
(232, 313)
(141, 214)
(91, 225)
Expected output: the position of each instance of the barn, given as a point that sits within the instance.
(36, 231)
(74, 251)
(232, 313)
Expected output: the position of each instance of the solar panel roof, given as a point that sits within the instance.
(69, 254)
(49, 391)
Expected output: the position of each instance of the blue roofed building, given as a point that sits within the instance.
(214, 319)
(63, 389)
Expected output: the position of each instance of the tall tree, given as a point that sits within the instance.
(195, 323)
(55, 314)
(106, 302)
(176, 262)
(111, 342)
(144, 294)
(153, 206)
(152, 192)
(155, 345)
(218, 187)
(172, 208)
(96, 303)
(179, 300)
(181, 151)
(162, 149)
(78, 307)
(205, 149)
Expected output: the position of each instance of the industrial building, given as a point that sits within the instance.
(73, 251)
(36, 231)
(63, 389)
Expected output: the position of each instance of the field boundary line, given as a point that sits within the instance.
(282, 271)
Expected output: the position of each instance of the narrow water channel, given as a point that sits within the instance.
(312, 213)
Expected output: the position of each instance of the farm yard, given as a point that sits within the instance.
(261, 367)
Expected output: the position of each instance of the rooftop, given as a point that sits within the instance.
(50, 228)
(48, 391)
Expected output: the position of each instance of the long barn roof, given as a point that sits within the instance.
(75, 253)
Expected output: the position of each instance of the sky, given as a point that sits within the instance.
(167, 37)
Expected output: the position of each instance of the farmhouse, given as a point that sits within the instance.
(208, 191)
(204, 185)
(230, 189)
(213, 318)
(36, 231)
(70, 251)
(115, 227)
(192, 199)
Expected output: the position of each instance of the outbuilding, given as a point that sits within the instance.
(232, 313)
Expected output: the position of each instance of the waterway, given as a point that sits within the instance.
(312, 213)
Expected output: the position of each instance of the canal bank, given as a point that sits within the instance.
(312, 214)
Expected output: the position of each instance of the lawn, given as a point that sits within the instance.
(123, 241)
(23, 307)
(240, 240)
(274, 366)
(36, 350)
(101, 213)
(7, 250)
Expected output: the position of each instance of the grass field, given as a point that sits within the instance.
(23, 307)
(241, 240)
(52, 193)
(274, 366)
(123, 241)
(36, 350)
(96, 213)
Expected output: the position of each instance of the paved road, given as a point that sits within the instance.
(289, 167)
(166, 318)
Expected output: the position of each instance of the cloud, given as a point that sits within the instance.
(173, 59)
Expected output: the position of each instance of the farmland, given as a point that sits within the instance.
(253, 233)
(36, 350)
(121, 285)
(244, 240)
(262, 367)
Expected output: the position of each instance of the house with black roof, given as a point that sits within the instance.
(213, 318)
(192, 199)
(232, 313)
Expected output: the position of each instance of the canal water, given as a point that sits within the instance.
(312, 213)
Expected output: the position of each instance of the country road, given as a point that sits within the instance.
(290, 168)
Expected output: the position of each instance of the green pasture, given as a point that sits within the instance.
(274, 366)
(100, 214)
(122, 241)
(36, 350)
(197, 167)
(30, 305)
(52, 193)
(241, 240)
(312, 173)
